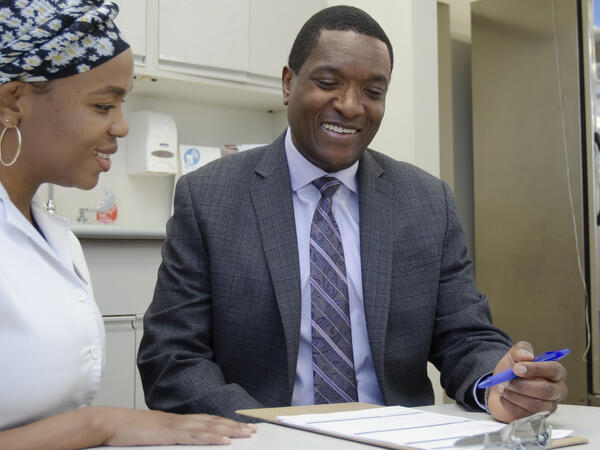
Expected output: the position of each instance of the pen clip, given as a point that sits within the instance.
(552, 355)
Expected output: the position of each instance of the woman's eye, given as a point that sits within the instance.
(105, 107)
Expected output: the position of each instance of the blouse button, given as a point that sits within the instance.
(95, 352)
(81, 295)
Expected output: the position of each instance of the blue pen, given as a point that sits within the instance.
(508, 375)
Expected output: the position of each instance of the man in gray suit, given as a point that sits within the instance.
(236, 320)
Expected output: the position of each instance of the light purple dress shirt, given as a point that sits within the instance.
(345, 210)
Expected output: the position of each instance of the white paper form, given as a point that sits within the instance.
(396, 425)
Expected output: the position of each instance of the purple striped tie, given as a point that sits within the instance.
(333, 363)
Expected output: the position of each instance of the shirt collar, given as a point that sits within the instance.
(7, 205)
(303, 172)
(55, 228)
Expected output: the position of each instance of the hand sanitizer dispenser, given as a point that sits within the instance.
(151, 143)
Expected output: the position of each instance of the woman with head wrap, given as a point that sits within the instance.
(64, 72)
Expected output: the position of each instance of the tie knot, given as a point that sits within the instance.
(327, 185)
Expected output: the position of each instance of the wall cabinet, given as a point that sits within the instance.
(121, 385)
(272, 30)
(118, 379)
(207, 34)
(226, 52)
(140, 402)
(123, 272)
(132, 22)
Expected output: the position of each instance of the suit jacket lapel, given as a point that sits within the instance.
(272, 200)
(376, 248)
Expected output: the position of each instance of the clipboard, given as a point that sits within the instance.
(271, 414)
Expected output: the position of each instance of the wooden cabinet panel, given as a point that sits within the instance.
(132, 23)
(123, 273)
(118, 381)
(272, 30)
(140, 402)
(209, 34)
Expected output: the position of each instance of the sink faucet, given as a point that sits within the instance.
(103, 205)
(50, 206)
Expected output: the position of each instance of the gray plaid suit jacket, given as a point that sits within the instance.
(222, 331)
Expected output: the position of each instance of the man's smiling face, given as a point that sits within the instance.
(337, 99)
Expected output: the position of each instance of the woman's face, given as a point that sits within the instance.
(70, 132)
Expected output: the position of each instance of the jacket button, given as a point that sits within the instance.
(81, 295)
(96, 352)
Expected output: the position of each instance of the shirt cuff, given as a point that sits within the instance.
(481, 395)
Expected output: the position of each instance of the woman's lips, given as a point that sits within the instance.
(103, 160)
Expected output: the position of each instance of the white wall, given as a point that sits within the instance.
(459, 173)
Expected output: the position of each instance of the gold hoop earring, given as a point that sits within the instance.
(8, 164)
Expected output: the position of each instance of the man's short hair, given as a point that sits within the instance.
(336, 18)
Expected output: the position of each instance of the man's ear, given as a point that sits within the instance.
(287, 77)
(10, 110)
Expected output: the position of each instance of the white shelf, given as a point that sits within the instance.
(117, 232)
(243, 93)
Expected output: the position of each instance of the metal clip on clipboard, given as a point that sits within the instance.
(531, 432)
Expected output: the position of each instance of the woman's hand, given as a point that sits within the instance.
(126, 427)
(99, 425)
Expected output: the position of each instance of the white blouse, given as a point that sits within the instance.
(51, 331)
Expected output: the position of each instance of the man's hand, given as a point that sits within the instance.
(539, 386)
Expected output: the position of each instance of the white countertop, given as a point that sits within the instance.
(583, 420)
(89, 231)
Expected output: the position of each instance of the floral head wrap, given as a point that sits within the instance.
(43, 40)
